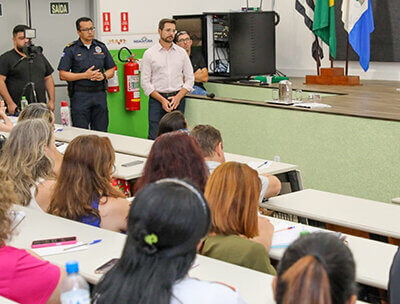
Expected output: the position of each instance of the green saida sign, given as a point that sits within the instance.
(59, 8)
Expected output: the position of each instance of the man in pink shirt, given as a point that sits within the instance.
(167, 75)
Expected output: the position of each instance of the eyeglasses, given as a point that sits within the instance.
(170, 30)
(184, 40)
(90, 29)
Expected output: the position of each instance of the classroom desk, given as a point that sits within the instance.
(121, 143)
(141, 147)
(356, 213)
(373, 258)
(128, 173)
(253, 286)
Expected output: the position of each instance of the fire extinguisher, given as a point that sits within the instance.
(113, 82)
(132, 83)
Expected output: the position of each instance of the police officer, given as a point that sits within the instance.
(87, 64)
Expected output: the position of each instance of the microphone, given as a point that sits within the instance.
(210, 95)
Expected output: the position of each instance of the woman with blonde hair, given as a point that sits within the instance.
(24, 277)
(84, 191)
(28, 156)
(237, 235)
(37, 110)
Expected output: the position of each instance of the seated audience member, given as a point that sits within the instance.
(172, 121)
(199, 65)
(29, 156)
(316, 268)
(174, 154)
(83, 191)
(38, 110)
(24, 277)
(210, 141)
(167, 219)
(394, 279)
(238, 235)
(6, 125)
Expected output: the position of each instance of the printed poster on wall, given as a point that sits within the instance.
(124, 22)
(106, 22)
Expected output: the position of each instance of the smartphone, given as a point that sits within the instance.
(54, 242)
(132, 163)
(106, 267)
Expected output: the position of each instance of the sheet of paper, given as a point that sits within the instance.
(53, 250)
(283, 237)
(259, 165)
(312, 105)
(61, 147)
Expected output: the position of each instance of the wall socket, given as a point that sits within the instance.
(277, 158)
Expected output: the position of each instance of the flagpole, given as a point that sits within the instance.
(347, 56)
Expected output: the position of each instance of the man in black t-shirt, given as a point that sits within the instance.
(199, 65)
(22, 75)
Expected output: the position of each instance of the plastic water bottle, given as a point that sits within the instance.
(65, 114)
(74, 288)
(24, 103)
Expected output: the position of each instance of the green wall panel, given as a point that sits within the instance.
(133, 123)
(348, 155)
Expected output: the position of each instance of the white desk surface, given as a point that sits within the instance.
(121, 143)
(141, 147)
(373, 259)
(130, 172)
(254, 286)
(6, 301)
(274, 168)
(366, 215)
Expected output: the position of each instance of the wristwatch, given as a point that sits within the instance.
(105, 77)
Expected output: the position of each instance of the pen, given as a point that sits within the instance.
(84, 244)
(284, 229)
(58, 130)
(264, 163)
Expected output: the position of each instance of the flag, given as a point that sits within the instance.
(324, 23)
(306, 9)
(359, 23)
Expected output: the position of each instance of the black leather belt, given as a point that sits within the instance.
(166, 95)
(91, 89)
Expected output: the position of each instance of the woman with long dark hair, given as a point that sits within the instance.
(316, 269)
(166, 222)
(83, 191)
(178, 155)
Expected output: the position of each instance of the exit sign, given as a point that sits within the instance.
(59, 8)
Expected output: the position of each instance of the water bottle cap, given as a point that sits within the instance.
(64, 104)
(72, 267)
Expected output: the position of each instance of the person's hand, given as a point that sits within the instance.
(265, 232)
(3, 108)
(51, 105)
(98, 77)
(174, 101)
(166, 105)
(12, 108)
(92, 74)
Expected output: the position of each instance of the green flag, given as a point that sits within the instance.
(324, 23)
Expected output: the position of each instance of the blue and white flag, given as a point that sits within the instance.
(359, 23)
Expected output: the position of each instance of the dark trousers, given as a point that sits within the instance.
(90, 108)
(156, 112)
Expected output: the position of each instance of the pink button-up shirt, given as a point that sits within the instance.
(166, 71)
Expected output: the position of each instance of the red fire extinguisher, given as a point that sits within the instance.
(113, 82)
(132, 83)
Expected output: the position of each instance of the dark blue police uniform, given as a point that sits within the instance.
(89, 99)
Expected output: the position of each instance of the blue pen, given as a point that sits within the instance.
(264, 163)
(84, 244)
(58, 130)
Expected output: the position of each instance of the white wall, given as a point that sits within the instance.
(294, 40)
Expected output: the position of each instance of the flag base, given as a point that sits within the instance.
(333, 76)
